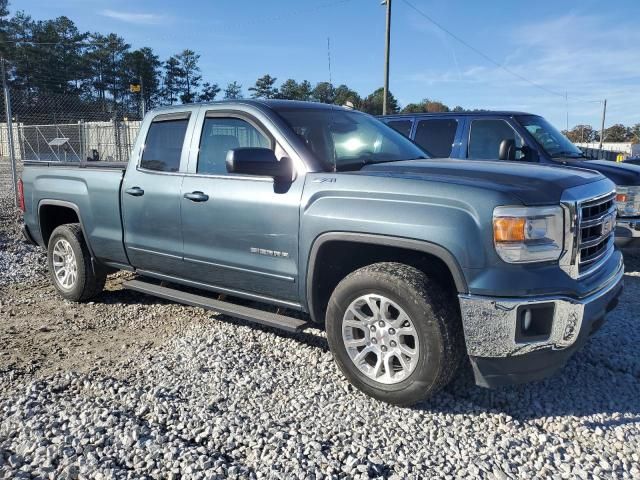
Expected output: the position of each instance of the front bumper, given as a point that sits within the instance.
(501, 351)
(628, 232)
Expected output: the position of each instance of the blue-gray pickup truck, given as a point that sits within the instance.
(412, 265)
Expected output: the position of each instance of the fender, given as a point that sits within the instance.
(384, 240)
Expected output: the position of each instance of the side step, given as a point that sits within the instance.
(269, 319)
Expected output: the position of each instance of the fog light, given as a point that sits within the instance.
(534, 322)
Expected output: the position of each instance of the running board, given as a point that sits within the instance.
(269, 319)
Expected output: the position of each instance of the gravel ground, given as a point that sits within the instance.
(130, 386)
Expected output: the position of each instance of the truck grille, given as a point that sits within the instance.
(597, 219)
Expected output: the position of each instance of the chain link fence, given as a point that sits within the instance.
(51, 126)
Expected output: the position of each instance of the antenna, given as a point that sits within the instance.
(329, 58)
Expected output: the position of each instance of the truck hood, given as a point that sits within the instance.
(533, 184)
(618, 173)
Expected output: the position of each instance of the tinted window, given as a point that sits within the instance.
(163, 146)
(402, 126)
(485, 138)
(348, 140)
(219, 135)
(436, 136)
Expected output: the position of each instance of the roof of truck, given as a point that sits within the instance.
(458, 114)
(271, 103)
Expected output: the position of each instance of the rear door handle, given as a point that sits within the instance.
(135, 191)
(196, 196)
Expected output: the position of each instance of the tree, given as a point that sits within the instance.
(324, 92)
(209, 92)
(264, 87)
(143, 66)
(634, 132)
(616, 133)
(105, 60)
(190, 72)
(292, 90)
(344, 95)
(581, 133)
(373, 103)
(233, 91)
(173, 77)
(427, 106)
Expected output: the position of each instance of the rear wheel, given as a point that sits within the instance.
(394, 333)
(70, 266)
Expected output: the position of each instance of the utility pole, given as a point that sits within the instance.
(566, 103)
(604, 114)
(12, 152)
(143, 105)
(386, 57)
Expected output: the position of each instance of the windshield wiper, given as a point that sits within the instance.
(567, 154)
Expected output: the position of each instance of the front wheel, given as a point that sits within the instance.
(395, 334)
(70, 266)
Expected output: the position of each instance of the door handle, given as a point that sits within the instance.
(196, 196)
(135, 191)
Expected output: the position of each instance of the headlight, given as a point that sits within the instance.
(528, 234)
(628, 201)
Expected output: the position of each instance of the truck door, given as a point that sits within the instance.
(240, 231)
(151, 194)
(484, 137)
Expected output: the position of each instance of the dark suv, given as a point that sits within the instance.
(523, 137)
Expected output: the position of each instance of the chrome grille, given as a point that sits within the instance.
(597, 220)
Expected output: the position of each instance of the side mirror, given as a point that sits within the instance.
(258, 161)
(507, 149)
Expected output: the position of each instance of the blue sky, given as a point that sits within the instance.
(586, 48)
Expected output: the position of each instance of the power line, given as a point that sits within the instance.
(487, 57)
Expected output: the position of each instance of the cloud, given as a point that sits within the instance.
(589, 57)
(135, 18)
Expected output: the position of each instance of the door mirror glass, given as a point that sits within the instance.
(258, 161)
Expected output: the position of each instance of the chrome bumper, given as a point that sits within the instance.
(490, 324)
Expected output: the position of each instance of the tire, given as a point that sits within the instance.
(67, 252)
(433, 337)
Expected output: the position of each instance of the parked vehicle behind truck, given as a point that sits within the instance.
(517, 136)
(410, 264)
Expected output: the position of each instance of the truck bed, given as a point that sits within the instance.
(91, 189)
(114, 165)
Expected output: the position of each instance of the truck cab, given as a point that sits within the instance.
(520, 137)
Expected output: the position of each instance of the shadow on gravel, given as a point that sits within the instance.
(128, 297)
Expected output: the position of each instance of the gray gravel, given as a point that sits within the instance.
(133, 387)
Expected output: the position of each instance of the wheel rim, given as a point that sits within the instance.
(65, 267)
(380, 338)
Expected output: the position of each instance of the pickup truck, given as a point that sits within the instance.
(410, 264)
(518, 136)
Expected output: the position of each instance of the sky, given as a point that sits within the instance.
(556, 58)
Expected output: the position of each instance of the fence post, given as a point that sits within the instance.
(81, 141)
(12, 153)
(116, 132)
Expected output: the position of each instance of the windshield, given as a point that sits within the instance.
(348, 140)
(549, 137)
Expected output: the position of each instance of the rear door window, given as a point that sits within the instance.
(221, 134)
(163, 145)
(485, 138)
(401, 126)
(437, 135)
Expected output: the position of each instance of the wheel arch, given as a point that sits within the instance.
(53, 213)
(383, 248)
